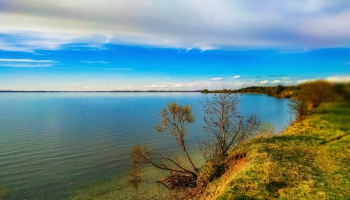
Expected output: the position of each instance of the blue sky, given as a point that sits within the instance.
(171, 45)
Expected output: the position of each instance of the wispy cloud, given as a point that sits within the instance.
(30, 40)
(178, 85)
(26, 25)
(237, 76)
(276, 81)
(128, 87)
(25, 62)
(153, 86)
(193, 85)
(91, 87)
(304, 80)
(217, 79)
(264, 82)
(70, 86)
(339, 79)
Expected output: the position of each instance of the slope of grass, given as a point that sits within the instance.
(310, 160)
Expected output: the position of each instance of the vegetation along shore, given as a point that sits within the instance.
(309, 160)
(245, 159)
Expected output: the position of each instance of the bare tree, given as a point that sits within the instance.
(226, 124)
(174, 120)
(299, 108)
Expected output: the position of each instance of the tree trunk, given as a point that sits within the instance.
(189, 159)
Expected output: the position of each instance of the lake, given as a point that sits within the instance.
(77, 145)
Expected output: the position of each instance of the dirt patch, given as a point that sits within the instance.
(223, 172)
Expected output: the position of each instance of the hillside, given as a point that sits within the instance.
(309, 160)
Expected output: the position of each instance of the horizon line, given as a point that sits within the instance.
(101, 91)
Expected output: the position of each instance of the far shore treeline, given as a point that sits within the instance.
(281, 91)
(276, 91)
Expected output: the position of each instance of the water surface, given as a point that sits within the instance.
(61, 145)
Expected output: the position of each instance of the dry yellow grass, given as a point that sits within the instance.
(310, 160)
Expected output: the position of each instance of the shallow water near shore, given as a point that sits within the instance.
(74, 145)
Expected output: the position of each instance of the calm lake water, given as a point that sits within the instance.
(75, 145)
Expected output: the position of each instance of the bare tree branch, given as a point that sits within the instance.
(225, 122)
(174, 120)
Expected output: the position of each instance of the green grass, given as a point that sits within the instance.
(310, 160)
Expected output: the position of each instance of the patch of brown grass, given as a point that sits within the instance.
(235, 162)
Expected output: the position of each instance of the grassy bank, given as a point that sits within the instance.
(310, 160)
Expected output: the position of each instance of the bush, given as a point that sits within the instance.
(313, 93)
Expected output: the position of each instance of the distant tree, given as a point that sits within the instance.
(226, 124)
(313, 93)
(271, 91)
(279, 89)
(343, 90)
(299, 108)
(174, 120)
(346, 93)
(243, 90)
(205, 91)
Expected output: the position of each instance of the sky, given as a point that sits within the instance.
(86, 45)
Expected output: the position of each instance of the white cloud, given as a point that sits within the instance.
(155, 86)
(24, 62)
(338, 79)
(191, 85)
(348, 63)
(276, 81)
(305, 80)
(264, 81)
(237, 76)
(27, 25)
(285, 78)
(217, 79)
(179, 85)
(125, 87)
(69, 84)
